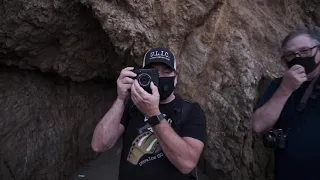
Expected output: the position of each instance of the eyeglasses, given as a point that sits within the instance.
(306, 52)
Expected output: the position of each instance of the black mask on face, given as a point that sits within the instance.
(166, 87)
(308, 63)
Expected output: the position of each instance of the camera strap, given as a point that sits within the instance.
(306, 95)
(182, 109)
(304, 100)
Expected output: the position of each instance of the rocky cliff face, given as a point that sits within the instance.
(58, 36)
(47, 122)
(52, 53)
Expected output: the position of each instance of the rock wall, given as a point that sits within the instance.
(224, 50)
(58, 36)
(47, 122)
(312, 8)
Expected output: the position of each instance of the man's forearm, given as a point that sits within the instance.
(267, 115)
(178, 151)
(107, 129)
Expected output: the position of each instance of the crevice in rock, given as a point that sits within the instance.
(9, 169)
(70, 41)
(204, 20)
(47, 121)
(52, 75)
(215, 8)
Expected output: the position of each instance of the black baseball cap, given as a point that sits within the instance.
(161, 55)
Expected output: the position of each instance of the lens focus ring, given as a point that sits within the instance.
(144, 79)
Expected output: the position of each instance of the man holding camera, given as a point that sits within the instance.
(162, 139)
(288, 115)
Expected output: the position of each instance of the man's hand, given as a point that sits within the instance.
(293, 79)
(147, 103)
(124, 82)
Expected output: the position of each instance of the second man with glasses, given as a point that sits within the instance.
(288, 115)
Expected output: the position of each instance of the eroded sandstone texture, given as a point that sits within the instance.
(312, 8)
(56, 35)
(224, 49)
(47, 122)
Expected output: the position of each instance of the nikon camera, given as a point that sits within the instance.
(145, 76)
(275, 138)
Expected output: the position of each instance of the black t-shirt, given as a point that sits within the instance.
(301, 158)
(142, 157)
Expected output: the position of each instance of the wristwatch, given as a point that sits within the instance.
(154, 120)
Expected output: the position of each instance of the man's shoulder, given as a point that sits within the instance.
(180, 98)
(267, 91)
(185, 106)
(191, 105)
(185, 101)
(188, 101)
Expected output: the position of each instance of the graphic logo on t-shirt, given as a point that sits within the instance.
(145, 143)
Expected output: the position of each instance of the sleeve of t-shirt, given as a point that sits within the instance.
(270, 90)
(268, 93)
(195, 124)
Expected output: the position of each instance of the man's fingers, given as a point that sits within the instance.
(126, 86)
(154, 89)
(134, 92)
(127, 69)
(134, 98)
(299, 70)
(303, 79)
(295, 67)
(137, 86)
(127, 73)
(127, 80)
(144, 95)
(299, 75)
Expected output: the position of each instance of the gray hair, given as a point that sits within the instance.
(315, 41)
(312, 33)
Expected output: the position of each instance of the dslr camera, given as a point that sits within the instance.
(145, 76)
(275, 138)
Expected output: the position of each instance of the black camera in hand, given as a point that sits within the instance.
(145, 77)
(275, 138)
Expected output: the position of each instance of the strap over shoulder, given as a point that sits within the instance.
(186, 107)
(181, 112)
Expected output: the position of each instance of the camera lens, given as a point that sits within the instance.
(144, 79)
(269, 139)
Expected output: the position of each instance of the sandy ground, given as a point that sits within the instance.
(105, 167)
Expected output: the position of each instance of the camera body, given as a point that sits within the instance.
(275, 138)
(145, 77)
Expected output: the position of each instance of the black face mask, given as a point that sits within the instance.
(166, 87)
(308, 63)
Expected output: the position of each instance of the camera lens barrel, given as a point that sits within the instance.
(144, 79)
